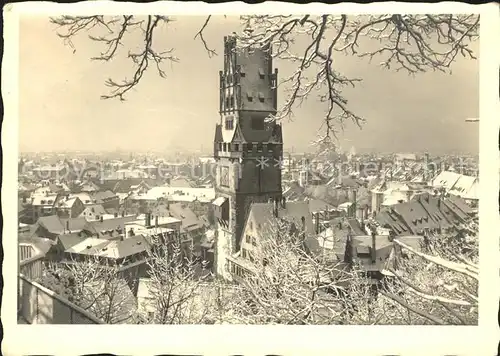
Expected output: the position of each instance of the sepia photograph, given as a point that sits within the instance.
(248, 169)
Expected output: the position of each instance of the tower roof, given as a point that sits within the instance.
(218, 133)
(238, 136)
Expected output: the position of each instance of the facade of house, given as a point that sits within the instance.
(266, 220)
(191, 225)
(43, 205)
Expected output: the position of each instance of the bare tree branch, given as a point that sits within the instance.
(410, 43)
(199, 34)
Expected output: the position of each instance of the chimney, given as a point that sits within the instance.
(276, 203)
(123, 213)
(317, 223)
(156, 221)
(374, 246)
(101, 219)
(67, 226)
(283, 202)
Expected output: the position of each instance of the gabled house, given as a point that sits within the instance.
(93, 212)
(89, 187)
(84, 197)
(191, 225)
(107, 199)
(321, 212)
(69, 207)
(424, 213)
(260, 224)
(65, 242)
(135, 186)
(374, 254)
(43, 204)
(109, 229)
(457, 184)
(53, 226)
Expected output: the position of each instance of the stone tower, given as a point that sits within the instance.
(248, 149)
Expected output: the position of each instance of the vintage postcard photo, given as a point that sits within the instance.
(241, 166)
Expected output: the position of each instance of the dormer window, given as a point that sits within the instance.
(261, 73)
(242, 72)
(261, 97)
(249, 96)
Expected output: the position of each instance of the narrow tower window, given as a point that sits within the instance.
(261, 73)
(229, 123)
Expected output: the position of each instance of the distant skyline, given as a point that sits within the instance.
(61, 109)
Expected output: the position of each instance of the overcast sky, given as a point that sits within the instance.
(60, 105)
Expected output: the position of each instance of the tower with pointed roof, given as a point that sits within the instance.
(248, 148)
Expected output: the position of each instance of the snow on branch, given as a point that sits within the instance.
(410, 43)
(465, 269)
(413, 43)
